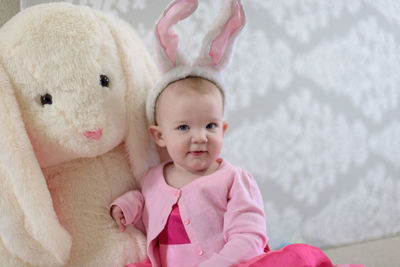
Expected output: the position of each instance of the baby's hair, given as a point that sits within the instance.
(195, 85)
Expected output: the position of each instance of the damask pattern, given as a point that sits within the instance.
(301, 18)
(372, 209)
(363, 66)
(288, 218)
(313, 108)
(115, 7)
(259, 66)
(304, 146)
(387, 143)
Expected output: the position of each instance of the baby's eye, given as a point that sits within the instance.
(183, 127)
(211, 125)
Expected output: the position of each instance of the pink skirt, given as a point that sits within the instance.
(295, 255)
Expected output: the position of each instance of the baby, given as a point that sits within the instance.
(199, 209)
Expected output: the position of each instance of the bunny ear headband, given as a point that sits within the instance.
(214, 55)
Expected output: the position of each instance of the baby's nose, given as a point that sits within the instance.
(199, 137)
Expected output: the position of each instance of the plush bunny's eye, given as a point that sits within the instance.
(46, 99)
(104, 81)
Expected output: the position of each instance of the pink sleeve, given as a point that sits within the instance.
(244, 224)
(131, 204)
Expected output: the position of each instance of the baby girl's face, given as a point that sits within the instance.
(191, 123)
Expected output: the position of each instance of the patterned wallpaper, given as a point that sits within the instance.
(313, 108)
(8, 8)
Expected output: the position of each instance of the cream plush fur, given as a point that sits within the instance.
(55, 183)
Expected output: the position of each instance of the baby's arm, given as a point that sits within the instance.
(244, 224)
(127, 209)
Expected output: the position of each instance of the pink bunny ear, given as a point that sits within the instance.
(167, 37)
(220, 43)
(217, 45)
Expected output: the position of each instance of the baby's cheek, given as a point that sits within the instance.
(218, 146)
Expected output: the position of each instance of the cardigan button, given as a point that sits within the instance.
(186, 221)
(176, 193)
(200, 252)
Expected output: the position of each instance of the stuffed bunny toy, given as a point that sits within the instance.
(73, 136)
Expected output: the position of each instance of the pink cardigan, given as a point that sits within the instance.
(222, 213)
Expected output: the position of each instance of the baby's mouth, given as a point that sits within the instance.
(197, 153)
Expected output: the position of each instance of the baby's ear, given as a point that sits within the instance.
(156, 133)
(29, 227)
(224, 127)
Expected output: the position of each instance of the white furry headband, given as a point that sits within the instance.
(214, 55)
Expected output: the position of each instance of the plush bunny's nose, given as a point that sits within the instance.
(96, 135)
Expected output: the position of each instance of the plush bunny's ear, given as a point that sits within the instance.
(217, 45)
(29, 227)
(167, 50)
(140, 73)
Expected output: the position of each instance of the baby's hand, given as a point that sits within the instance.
(118, 216)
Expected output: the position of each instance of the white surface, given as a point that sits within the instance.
(379, 253)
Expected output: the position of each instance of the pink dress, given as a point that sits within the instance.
(168, 237)
(174, 242)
